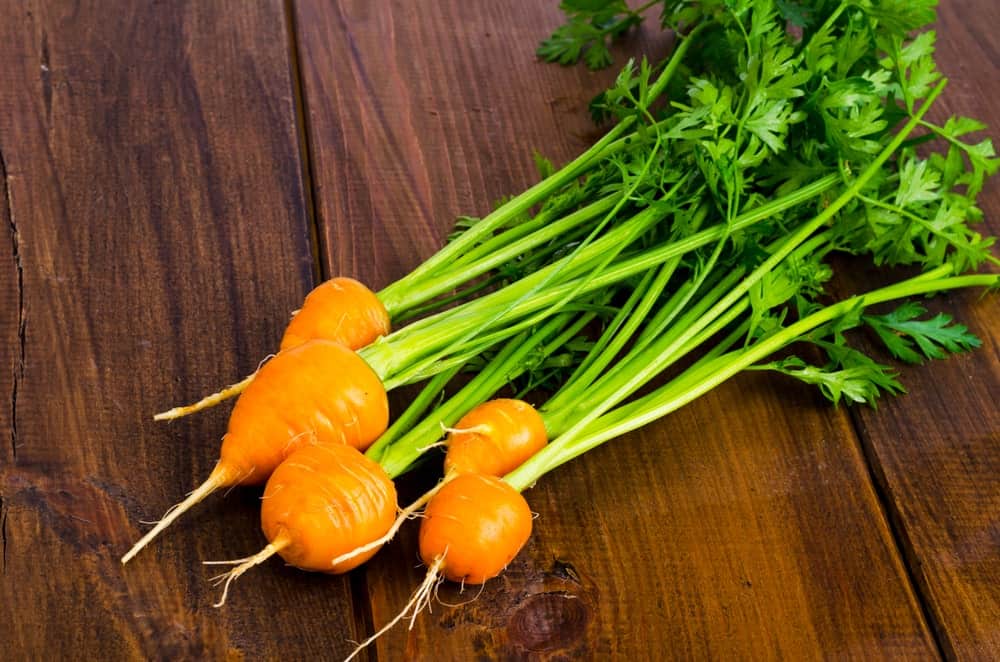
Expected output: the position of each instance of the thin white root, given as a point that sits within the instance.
(245, 564)
(405, 514)
(206, 402)
(453, 605)
(424, 449)
(420, 600)
(481, 429)
(214, 482)
(230, 562)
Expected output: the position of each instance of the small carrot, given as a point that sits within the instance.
(340, 309)
(471, 530)
(495, 438)
(321, 501)
(317, 393)
(473, 527)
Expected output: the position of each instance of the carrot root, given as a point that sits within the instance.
(206, 402)
(244, 564)
(405, 514)
(420, 600)
(219, 477)
(482, 428)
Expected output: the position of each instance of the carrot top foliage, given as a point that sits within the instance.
(775, 98)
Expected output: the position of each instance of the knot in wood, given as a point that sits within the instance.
(549, 621)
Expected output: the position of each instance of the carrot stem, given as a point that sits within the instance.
(705, 376)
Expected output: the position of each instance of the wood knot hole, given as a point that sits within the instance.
(548, 621)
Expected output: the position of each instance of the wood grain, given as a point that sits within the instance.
(752, 531)
(742, 527)
(417, 114)
(155, 208)
(936, 452)
(156, 231)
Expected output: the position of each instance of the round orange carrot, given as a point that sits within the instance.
(473, 527)
(340, 309)
(495, 438)
(317, 393)
(323, 501)
(320, 502)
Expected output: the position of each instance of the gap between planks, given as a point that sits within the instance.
(900, 540)
(364, 615)
(321, 268)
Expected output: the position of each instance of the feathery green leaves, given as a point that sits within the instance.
(912, 340)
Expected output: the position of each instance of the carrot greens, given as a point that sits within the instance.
(776, 149)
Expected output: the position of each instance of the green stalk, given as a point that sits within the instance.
(441, 304)
(503, 250)
(433, 365)
(644, 373)
(663, 350)
(394, 297)
(571, 392)
(398, 456)
(706, 376)
(620, 332)
(675, 60)
(426, 335)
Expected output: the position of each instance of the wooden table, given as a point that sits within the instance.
(175, 176)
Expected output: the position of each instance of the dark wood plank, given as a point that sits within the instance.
(419, 113)
(742, 527)
(936, 452)
(752, 530)
(154, 181)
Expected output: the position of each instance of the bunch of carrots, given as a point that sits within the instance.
(687, 245)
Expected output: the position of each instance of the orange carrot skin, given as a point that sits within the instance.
(478, 524)
(317, 393)
(495, 438)
(326, 501)
(340, 309)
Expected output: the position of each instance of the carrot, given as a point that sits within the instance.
(340, 309)
(495, 438)
(472, 529)
(317, 393)
(320, 502)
